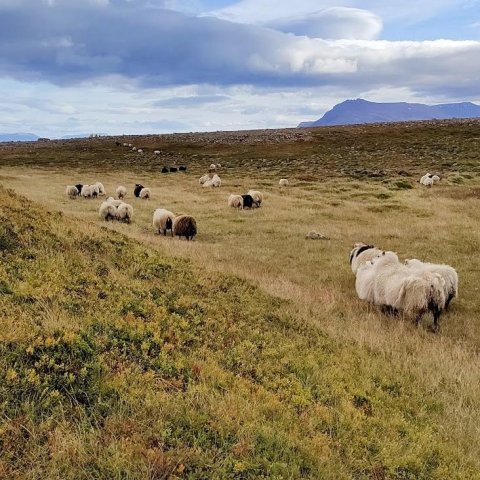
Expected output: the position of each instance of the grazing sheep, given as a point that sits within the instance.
(257, 197)
(364, 282)
(283, 182)
(182, 168)
(145, 194)
(129, 144)
(173, 169)
(107, 211)
(79, 187)
(134, 149)
(165, 170)
(448, 273)
(114, 202)
(427, 175)
(163, 221)
(314, 235)
(213, 166)
(397, 287)
(71, 191)
(139, 150)
(428, 182)
(362, 253)
(435, 178)
(247, 201)
(185, 226)
(125, 144)
(89, 191)
(235, 201)
(124, 212)
(203, 179)
(138, 189)
(216, 182)
(156, 152)
(121, 192)
(101, 189)
(117, 143)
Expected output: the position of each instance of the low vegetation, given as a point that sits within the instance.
(243, 354)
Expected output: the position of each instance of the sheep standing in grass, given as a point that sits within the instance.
(79, 187)
(364, 281)
(216, 181)
(448, 273)
(121, 192)
(89, 191)
(283, 182)
(257, 197)
(361, 254)
(139, 150)
(247, 201)
(427, 175)
(107, 211)
(203, 179)
(101, 189)
(138, 188)
(213, 166)
(397, 287)
(71, 191)
(435, 178)
(124, 212)
(235, 201)
(156, 152)
(185, 226)
(163, 221)
(114, 202)
(145, 194)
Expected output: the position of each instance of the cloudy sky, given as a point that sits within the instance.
(155, 66)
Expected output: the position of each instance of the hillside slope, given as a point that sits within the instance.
(119, 362)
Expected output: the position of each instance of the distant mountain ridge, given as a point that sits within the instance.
(360, 111)
(18, 137)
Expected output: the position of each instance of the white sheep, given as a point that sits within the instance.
(448, 273)
(72, 191)
(101, 189)
(134, 149)
(89, 191)
(203, 179)
(114, 202)
(362, 253)
(145, 194)
(124, 212)
(436, 179)
(283, 182)
(257, 197)
(364, 281)
(216, 182)
(219, 165)
(125, 144)
(139, 150)
(427, 175)
(156, 152)
(107, 211)
(428, 182)
(213, 166)
(121, 192)
(208, 183)
(397, 287)
(235, 201)
(163, 221)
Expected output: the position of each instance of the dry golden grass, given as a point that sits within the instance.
(268, 247)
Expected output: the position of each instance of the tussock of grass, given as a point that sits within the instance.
(119, 362)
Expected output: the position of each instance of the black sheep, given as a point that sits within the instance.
(79, 188)
(247, 201)
(164, 170)
(173, 169)
(182, 168)
(138, 189)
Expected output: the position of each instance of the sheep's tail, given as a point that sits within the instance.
(413, 296)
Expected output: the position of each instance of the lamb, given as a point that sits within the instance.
(121, 192)
(247, 201)
(138, 188)
(203, 179)
(107, 211)
(257, 197)
(145, 194)
(72, 191)
(447, 272)
(216, 182)
(283, 182)
(101, 188)
(397, 287)
(235, 201)
(362, 253)
(163, 221)
(185, 226)
(124, 212)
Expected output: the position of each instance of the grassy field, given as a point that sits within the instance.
(243, 354)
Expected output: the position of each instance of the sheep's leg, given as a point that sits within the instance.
(436, 319)
(449, 299)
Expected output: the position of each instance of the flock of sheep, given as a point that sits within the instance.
(412, 288)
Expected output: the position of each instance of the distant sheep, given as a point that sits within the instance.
(125, 144)
(124, 213)
(107, 211)
(216, 181)
(429, 179)
(89, 191)
(185, 226)
(115, 203)
(145, 194)
(101, 189)
(361, 254)
(247, 201)
(163, 221)
(182, 168)
(173, 169)
(139, 150)
(137, 189)
(79, 187)
(283, 182)
(203, 179)
(72, 191)
(219, 165)
(447, 272)
(435, 178)
(156, 152)
(213, 166)
(121, 192)
(257, 197)
(235, 201)
(134, 149)
(208, 183)
(164, 170)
